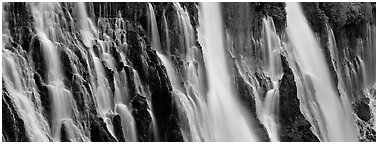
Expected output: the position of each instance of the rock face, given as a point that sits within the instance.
(363, 111)
(139, 79)
(13, 125)
(293, 125)
(118, 129)
(99, 132)
(142, 118)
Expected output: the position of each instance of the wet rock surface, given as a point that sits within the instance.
(142, 60)
(118, 128)
(363, 110)
(142, 118)
(293, 125)
(13, 125)
(99, 132)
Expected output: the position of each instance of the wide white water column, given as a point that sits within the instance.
(336, 124)
(229, 121)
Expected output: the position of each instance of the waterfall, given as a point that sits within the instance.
(229, 121)
(64, 108)
(192, 72)
(19, 84)
(86, 25)
(154, 29)
(188, 97)
(102, 91)
(166, 32)
(333, 113)
(128, 122)
(359, 74)
(187, 105)
(268, 107)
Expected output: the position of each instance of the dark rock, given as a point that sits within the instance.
(162, 100)
(66, 62)
(175, 134)
(142, 118)
(293, 125)
(109, 74)
(245, 93)
(137, 54)
(247, 99)
(13, 126)
(264, 82)
(45, 97)
(362, 110)
(36, 52)
(63, 134)
(18, 15)
(316, 17)
(96, 50)
(118, 129)
(82, 97)
(25, 39)
(132, 87)
(152, 73)
(252, 14)
(99, 131)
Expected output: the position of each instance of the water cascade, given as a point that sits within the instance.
(268, 108)
(356, 83)
(228, 123)
(333, 117)
(189, 100)
(64, 108)
(127, 72)
(20, 84)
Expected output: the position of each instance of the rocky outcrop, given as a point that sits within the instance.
(293, 125)
(142, 118)
(152, 73)
(64, 134)
(247, 99)
(13, 125)
(99, 131)
(118, 129)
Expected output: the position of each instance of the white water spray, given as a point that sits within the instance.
(336, 123)
(267, 108)
(63, 106)
(229, 121)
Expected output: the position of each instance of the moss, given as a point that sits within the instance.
(344, 14)
(275, 10)
(252, 15)
(315, 16)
